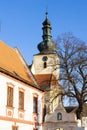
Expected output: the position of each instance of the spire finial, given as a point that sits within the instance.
(47, 12)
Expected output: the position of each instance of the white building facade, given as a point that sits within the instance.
(21, 104)
(15, 113)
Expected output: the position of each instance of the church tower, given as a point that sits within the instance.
(46, 62)
(45, 66)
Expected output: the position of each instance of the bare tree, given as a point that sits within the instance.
(73, 69)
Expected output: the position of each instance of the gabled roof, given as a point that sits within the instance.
(12, 63)
(46, 80)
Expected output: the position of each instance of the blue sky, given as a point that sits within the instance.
(21, 22)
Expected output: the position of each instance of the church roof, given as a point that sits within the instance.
(46, 80)
(13, 64)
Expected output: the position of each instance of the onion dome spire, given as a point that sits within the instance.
(46, 29)
(46, 46)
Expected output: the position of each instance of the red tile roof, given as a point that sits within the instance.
(46, 80)
(13, 63)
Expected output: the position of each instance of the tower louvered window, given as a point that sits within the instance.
(44, 65)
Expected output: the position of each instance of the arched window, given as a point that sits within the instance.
(44, 65)
(59, 116)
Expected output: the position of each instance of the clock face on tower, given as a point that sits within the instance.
(45, 58)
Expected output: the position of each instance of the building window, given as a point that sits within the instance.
(21, 100)
(44, 65)
(35, 103)
(14, 127)
(10, 96)
(59, 116)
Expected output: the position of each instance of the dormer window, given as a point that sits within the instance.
(59, 116)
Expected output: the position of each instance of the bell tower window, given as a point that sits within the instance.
(45, 65)
(45, 58)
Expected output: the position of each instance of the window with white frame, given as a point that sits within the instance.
(10, 96)
(21, 99)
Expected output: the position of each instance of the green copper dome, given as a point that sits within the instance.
(47, 45)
